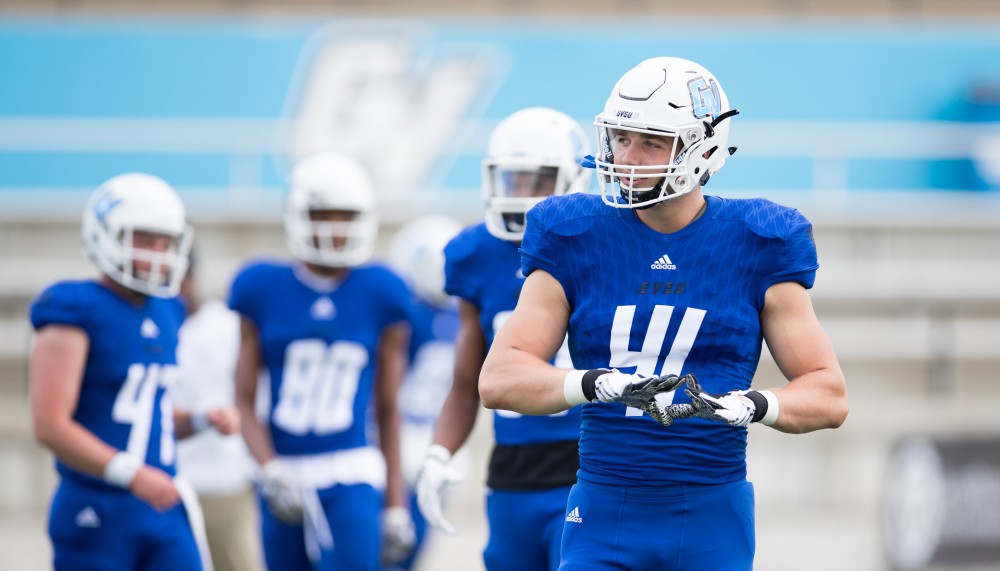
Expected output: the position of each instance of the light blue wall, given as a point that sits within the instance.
(244, 68)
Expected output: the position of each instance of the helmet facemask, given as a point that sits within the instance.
(512, 188)
(331, 237)
(162, 264)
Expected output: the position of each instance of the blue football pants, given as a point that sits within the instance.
(94, 528)
(525, 529)
(680, 528)
(353, 515)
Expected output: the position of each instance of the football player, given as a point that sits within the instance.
(655, 278)
(331, 332)
(102, 363)
(417, 253)
(532, 154)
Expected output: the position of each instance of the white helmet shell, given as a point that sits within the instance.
(417, 253)
(666, 97)
(324, 182)
(532, 153)
(130, 203)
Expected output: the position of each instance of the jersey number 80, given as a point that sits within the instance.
(318, 386)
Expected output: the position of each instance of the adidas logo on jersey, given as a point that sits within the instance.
(87, 518)
(322, 309)
(148, 329)
(574, 516)
(663, 263)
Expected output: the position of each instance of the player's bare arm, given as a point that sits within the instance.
(58, 357)
(816, 394)
(248, 362)
(517, 375)
(392, 359)
(458, 414)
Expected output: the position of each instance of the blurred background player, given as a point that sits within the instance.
(332, 333)
(417, 253)
(219, 467)
(101, 367)
(532, 154)
(654, 278)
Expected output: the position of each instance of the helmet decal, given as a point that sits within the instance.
(705, 98)
(105, 203)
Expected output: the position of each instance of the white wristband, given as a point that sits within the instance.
(440, 453)
(121, 469)
(771, 416)
(573, 388)
(200, 422)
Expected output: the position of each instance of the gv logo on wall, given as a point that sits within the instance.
(394, 97)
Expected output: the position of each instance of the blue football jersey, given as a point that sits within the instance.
(432, 362)
(319, 346)
(486, 271)
(652, 303)
(131, 363)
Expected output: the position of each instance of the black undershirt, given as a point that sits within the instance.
(534, 466)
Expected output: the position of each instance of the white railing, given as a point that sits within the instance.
(251, 144)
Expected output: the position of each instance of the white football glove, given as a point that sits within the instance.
(634, 389)
(631, 390)
(434, 475)
(281, 491)
(736, 408)
(399, 535)
(733, 408)
(612, 384)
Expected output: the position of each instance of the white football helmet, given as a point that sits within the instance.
(131, 203)
(532, 153)
(324, 182)
(417, 253)
(667, 97)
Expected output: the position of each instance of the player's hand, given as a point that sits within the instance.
(733, 408)
(225, 420)
(399, 535)
(434, 475)
(635, 390)
(156, 488)
(281, 491)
